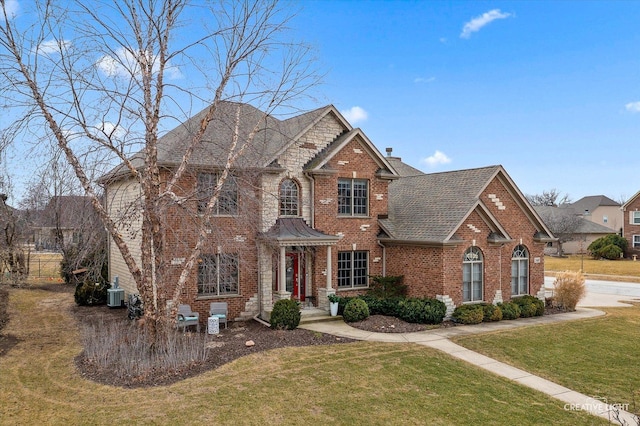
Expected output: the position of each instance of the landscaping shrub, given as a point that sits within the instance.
(89, 293)
(468, 314)
(530, 306)
(342, 303)
(510, 310)
(386, 287)
(422, 311)
(569, 289)
(356, 310)
(285, 315)
(491, 313)
(608, 247)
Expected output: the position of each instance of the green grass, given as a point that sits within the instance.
(597, 357)
(360, 383)
(625, 269)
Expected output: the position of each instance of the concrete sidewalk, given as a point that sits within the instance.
(439, 339)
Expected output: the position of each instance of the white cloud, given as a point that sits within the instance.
(355, 114)
(424, 80)
(633, 106)
(53, 46)
(12, 8)
(478, 22)
(436, 159)
(124, 65)
(110, 130)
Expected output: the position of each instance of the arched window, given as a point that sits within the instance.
(472, 275)
(289, 198)
(520, 271)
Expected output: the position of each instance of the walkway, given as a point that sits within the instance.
(439, 339)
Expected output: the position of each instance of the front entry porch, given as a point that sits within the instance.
(287, 259)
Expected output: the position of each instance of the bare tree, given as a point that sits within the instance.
(562, 222)
(107, 79)
(551, 197)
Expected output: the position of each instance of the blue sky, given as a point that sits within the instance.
(548, 89)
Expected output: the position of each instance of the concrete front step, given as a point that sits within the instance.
(316, 317)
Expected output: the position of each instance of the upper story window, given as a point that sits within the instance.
(227, 203)
(289, 198)
(353, 197)
(635, 218)
(605, 219)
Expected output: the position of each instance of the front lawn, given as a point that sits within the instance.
(358, 383)
(597, 357)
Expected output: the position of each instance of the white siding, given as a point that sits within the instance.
(124, 206)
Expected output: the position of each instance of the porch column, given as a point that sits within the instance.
(282, 292)
(323, 301)
(329, 267)
(282, 279)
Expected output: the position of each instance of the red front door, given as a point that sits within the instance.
(295, 275)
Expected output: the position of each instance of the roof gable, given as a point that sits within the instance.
(430, 208)
(324, 156)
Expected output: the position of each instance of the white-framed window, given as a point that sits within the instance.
(519, 271)
(353, 197)
(636, 241)
(289, 198)
(353, 269)
(472, 283)
(605, 219)
(227, 203)
(634, 218)
(218, 274)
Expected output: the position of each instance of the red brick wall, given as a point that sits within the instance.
(429, 271)
(358, 230)
(629, 229)
(230, 234)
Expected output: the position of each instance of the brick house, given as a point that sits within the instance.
(314, 208)
(631, 224)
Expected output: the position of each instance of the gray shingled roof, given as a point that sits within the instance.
(295, 231)
(272, 137)
(592, 202)
(429, 207)
(585, 226)
(403, 169)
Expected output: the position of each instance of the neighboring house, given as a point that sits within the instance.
(601, 210)
(582, 236)
(314, 208)
(63, 222)
(631, 224)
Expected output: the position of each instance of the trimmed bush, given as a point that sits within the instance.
(422, 311)
(569, 289)
(530, 306)
(510, 310)
(356, 310)
(285, 315)
(491, 313)
(468, 314)
(342, 303)
(89, 293)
